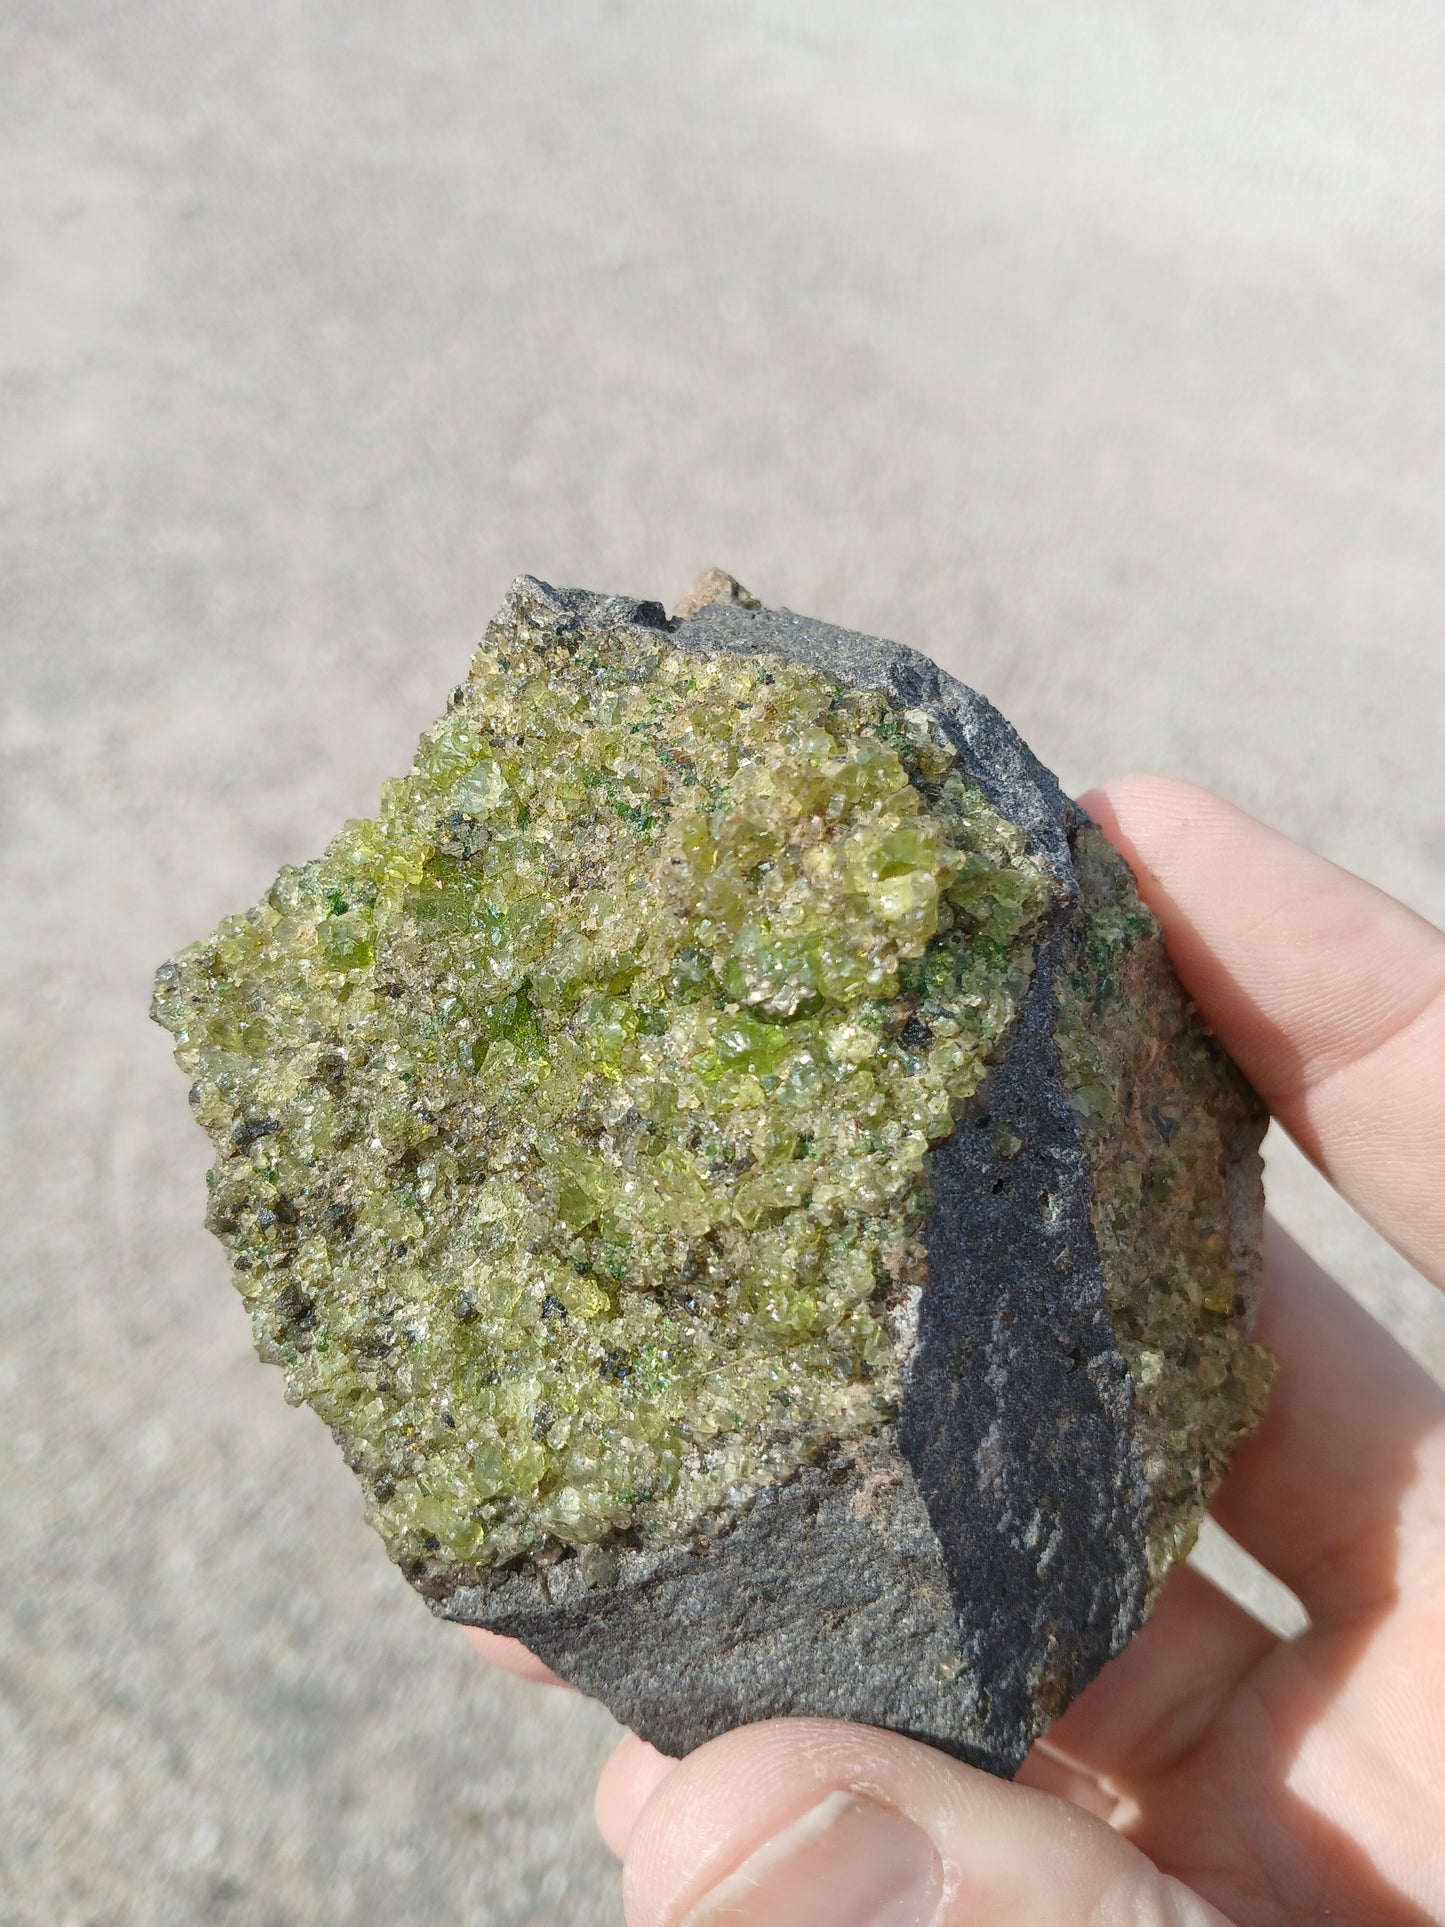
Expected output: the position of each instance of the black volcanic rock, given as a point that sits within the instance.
(727, 1154)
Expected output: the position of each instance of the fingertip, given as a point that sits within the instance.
(794, 1820)
(509, 1656)
(737, 1797)
(627, 1782)
(1140, 810)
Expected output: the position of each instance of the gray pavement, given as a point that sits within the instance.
(1099, 350)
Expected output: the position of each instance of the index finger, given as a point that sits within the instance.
(1328, 993)
(510, 1656)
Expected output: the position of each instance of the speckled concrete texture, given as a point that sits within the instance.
(1099, 351)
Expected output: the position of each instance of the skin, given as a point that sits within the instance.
(1212, 1772)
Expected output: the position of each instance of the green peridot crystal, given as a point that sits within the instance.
(726, 1152)
(572, 1114)
(1144, 1080)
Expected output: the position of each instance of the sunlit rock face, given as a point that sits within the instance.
(725, 1152)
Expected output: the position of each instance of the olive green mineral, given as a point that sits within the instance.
(725, 1152)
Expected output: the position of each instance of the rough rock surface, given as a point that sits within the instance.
(957, 1551)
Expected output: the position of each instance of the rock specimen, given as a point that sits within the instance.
(726, 1153)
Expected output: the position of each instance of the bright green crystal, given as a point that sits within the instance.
(572, 1114)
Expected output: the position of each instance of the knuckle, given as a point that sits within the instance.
(1139, 1895)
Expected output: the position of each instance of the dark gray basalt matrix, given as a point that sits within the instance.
(727, 1154)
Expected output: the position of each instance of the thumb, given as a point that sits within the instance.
(811, 1823)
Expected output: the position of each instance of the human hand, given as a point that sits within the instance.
(1212, 1771)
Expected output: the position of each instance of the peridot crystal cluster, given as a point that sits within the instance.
(573, 1111)
(722, 1047)
(1146, 1088)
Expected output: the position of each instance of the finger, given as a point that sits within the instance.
(626, 1783)
(1048, 1771)
(509, 1656)
(1341, 1492)
(1330, 994)
(844, 1826)
(1151, 1705)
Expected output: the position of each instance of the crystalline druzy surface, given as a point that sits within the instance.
(572, 1114)
(1157, 1118)
(726, 1152)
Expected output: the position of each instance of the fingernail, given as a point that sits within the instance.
(845, 1863)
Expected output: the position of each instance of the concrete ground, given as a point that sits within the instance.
(1099, 350)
